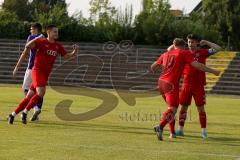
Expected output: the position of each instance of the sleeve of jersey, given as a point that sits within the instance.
(159, 60)
(210, 52)
(38, 43)
(62, 51)
(28, 39)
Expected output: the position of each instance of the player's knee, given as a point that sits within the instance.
(173, 109)
(201, 109)
(41, 93)
(184, 108)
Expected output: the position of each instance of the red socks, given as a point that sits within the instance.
(21, 105)
(172, 126)
(203, 119)
(167, 117)
(182, 118)
(34, 100)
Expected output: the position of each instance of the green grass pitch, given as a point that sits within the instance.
(123, 134)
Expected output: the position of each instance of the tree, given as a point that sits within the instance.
(10, 26)
(102, 11)
(47, 5)
(224, 16)
(56, 15)
(152, 23)
(20, 7)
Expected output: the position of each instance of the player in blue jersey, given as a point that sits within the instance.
(36, 32)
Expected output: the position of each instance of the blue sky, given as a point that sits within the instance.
(83, 5)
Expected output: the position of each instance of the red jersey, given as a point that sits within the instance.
(46, 54)
(173, 63)
(192, 75)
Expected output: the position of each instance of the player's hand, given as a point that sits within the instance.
(75, 50)
(14, 71)
(217, 73)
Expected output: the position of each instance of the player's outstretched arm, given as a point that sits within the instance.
(204, 68)
(26, 51)
(214, 46)
(71, 55)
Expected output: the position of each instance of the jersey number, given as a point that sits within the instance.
(170, 61)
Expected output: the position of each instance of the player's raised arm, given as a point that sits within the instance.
(204, 68)
(214, 46)
(30, 45)
(170, 48)
(71, 55)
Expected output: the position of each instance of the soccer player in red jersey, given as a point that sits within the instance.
(47, 51)
(194, 81)
(172, 64)
(36, 32)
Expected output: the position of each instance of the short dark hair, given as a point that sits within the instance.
(179, 42)
(38, 26)
(194, 37)
(51, 26)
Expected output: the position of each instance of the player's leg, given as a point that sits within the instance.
(39, 80)
(172, 99)
(26, 85)
(185, 99)
(172, 128)
(37, 111)
(200, 100)
(38, 105)
(21, 106)
(182, 118)
(40, 92)
(167, 117)
(27, 81)
(203, 121)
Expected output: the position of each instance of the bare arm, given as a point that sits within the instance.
(214, 46)
(156, 67)
(204, 68)
(71, 55)
(26, 51)
(170, 48)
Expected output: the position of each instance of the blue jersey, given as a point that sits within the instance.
(32, 51)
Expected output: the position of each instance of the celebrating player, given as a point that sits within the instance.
(173, 63)
(194, 81)
(47, 51)
(36, 32)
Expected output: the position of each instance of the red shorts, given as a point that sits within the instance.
(39, 79)
(170, 93)
(197, 92)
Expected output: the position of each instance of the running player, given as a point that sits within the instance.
(173, 63)
(47, 51)
(36, 32)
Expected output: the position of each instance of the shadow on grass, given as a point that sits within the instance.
(95, 127)
(192, 138)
